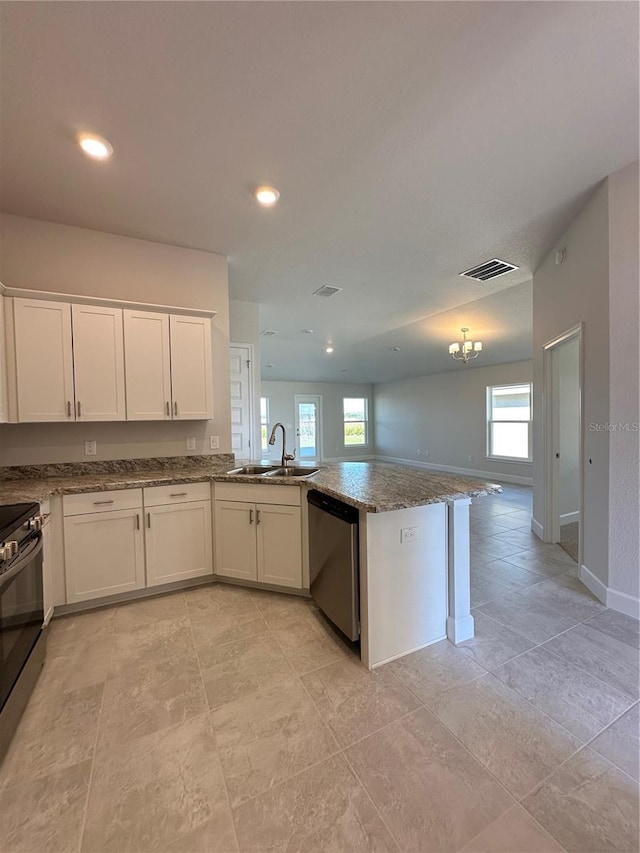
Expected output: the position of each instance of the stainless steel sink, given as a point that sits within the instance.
(252, 470)
(291, 471)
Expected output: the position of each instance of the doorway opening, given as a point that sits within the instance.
(241, 391)
(308, 412)
(563, 441)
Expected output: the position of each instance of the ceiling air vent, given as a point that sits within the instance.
(327, 291)
(490, 269)
(268, 333)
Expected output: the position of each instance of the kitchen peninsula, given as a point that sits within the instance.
(414, 533)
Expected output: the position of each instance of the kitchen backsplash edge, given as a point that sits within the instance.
(218, 462)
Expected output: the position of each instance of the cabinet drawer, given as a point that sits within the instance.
(258, 493)
(102, 501)
(177, 493)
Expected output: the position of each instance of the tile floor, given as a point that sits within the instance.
(220, 719)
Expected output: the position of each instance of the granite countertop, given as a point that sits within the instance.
(370, 486)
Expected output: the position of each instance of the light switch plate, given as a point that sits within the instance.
(191, 444)
(90, 448)
(214, 442)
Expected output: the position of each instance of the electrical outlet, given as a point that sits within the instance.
(408, 534)
(214, 442)
(90, 448)
(470, 458)
(425, 453)
(191, 444)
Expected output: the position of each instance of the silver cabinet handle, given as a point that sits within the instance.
(168, 409)
(177, 494)
(149, 520)
(250, 516)
(79, 409)
(137, 521)
(258, 517)
(68, 408)
(99, 503)
(175, 409)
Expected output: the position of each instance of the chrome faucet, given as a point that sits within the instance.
(286, 457)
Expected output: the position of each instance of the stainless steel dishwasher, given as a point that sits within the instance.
(333, 561)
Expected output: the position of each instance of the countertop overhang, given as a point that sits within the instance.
(368, 486)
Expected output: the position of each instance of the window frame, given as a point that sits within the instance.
(365, 422)
(489, 455)
(264, 448)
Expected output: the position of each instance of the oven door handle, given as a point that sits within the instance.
(19, 566)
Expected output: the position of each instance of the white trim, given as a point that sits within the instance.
(254, 429)
(568, 517)
(408, 652)
(621, 602)
(459, 630)
(537, 528)
(466, 472)
(99, 300)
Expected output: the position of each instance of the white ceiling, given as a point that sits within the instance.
(409, 142)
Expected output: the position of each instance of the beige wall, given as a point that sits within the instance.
(282, 408)
(444, 415)
(598, 285)
(624, 382)
(38, 255)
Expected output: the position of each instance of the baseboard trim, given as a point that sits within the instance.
(466, 472)
(537, 528)
(568, 517)
(459, 630)
(622, 602)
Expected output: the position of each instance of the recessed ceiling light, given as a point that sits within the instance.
(307, 331)
(95, 146)
(329, 349)
(269, 365)
(266, 196)
(394, 349)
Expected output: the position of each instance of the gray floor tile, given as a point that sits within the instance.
(528, 617)
(581, 703)
(493, 644)
(618, 626)
(620, 743)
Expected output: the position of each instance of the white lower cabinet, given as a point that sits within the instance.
(259, 542)
(107, 534)
(178, 542)
(104, 553)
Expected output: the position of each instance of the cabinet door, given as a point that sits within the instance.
(98, 362)
(236, 540)
(178, 542)
(44, 361)
(147, 366)
(3, 366)
(191, 382)
(279, 545)
(104, 554)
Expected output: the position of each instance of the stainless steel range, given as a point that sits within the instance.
(22, 638)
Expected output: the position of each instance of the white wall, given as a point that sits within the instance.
(568, 366)
(39, 255)
(244, 328)
(281, 408)
(444, 415)
(624, 382)
(598, 285)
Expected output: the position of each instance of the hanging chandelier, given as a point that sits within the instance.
(466, 350)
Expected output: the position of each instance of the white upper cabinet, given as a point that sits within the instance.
(44, 360)
(147, 366)
(191, 367)
(98, 357)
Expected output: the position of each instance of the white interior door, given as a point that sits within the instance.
(308, 413)
(240, 389)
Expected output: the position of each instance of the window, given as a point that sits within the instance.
(264, 424)
(355, 421)
(509, 422)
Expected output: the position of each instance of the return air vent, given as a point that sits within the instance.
(490, 269)
(327, 291)
(268, 333)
